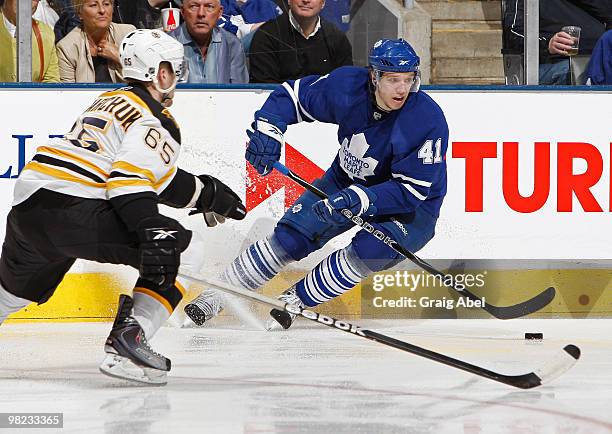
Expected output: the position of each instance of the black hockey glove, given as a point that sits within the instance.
(159, 250)
(217, 201)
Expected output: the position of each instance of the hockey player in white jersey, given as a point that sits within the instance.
(94, 194)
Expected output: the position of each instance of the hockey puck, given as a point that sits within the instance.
(534, 335)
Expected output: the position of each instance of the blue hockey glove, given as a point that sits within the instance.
(265, 142)
(357, 199)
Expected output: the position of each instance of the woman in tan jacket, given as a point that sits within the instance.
(90, 53)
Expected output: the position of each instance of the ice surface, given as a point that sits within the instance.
(314, 379)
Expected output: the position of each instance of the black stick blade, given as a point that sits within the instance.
(572, 350)
(535, 304)
(281, 317)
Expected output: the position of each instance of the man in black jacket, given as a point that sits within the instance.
(143, 14)
(297, 44)
(592, 16)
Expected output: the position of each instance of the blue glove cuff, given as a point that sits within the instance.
(277, 121)
(271, 125)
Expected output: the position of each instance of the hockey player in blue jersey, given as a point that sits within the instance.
(390, 169)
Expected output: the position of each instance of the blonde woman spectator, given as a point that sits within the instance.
(44, 57)
(90, 52)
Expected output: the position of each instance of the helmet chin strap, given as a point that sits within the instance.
(375, 95)
(166, 100)
(376, 79)
(379, 104)
(417, 83)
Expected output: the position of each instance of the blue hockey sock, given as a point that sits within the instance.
(257, 264)
(334, 276)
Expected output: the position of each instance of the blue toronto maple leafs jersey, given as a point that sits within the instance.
(399, 155)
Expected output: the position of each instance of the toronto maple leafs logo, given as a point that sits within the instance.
(352, 160)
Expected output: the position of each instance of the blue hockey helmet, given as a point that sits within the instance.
(393, 55)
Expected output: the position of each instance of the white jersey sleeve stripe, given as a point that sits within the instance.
(297, 94)
(289, 90)
(412, 180)
(412, 190)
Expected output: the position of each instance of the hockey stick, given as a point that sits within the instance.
(506, 312)
(564, 361)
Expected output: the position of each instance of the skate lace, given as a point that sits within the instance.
(143, 339)
(291, 297)
(145, 343)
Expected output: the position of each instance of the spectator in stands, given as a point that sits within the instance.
(46, 13)
(68, 19)
(44, 56)
(239, 16)
(283, 5)
(599, 71)
(242, 17)
(142, 14)
(214, 55)
(590, 15)
(90, 52)
(338, 12)
(298, 44)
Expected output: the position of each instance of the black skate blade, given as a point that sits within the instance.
(195, 314)
(281, 317)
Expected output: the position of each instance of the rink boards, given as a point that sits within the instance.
(528, 195)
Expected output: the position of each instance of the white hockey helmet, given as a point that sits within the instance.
(143, 50)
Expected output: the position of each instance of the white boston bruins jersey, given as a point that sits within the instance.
(124, 143)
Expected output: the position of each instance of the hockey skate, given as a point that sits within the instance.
(128, 354)
(281, 317)
(204, 307)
